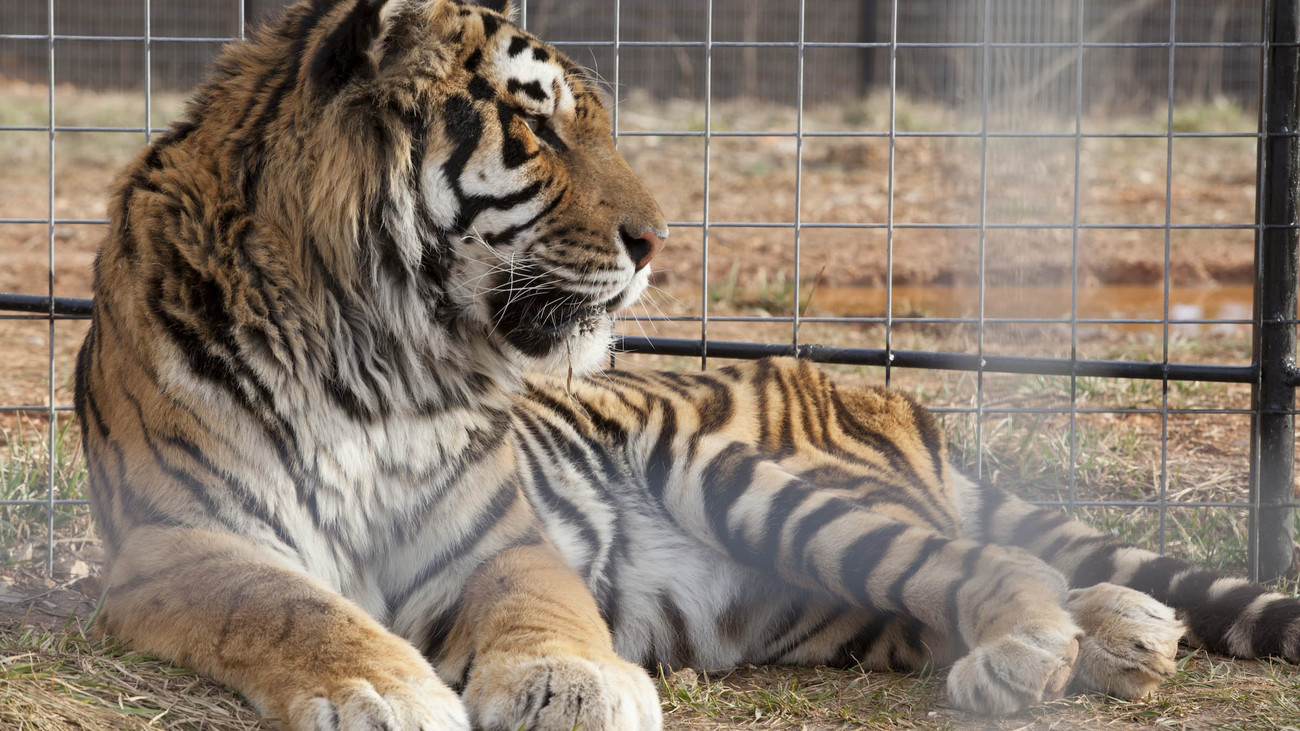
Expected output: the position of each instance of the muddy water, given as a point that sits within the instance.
(1103, 302)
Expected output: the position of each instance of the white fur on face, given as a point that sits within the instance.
(549, 76)
(535, 84)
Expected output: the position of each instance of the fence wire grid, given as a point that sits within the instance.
(997, 103)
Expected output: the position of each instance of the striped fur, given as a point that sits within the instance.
(322, 476)
(848, 538)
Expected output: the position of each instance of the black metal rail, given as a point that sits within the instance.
(947, 361)
(40, 304)
(1273, 396)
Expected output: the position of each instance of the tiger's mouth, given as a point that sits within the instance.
(547, 318)
(574, 319)
(539, 324)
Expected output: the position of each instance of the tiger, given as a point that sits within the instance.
(351, 451)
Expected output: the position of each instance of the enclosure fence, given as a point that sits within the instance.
(981, 46)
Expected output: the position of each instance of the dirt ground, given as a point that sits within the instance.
(752, 188)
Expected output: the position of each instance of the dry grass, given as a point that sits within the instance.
(1207, 692)
(58, 679)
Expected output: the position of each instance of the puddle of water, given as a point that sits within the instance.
(1118, 302)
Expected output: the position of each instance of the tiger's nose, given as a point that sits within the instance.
(643, 245)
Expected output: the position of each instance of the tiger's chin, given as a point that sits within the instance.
(583, 349)
(566, 339)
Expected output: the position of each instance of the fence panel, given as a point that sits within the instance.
(1062, 222)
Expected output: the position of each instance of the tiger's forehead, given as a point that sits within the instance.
(532, 74)
(540, 79)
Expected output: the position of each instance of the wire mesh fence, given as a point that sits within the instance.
(1069, 226)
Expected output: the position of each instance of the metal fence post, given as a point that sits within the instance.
(1273, 397)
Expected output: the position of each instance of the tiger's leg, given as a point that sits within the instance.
(1004, 604)
(301, 653)
(1227, 615)
(537, 653)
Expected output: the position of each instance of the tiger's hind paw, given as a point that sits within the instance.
(1015, 671)
(562, 693)
(1129, 644)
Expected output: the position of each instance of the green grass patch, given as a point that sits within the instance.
(25, 466)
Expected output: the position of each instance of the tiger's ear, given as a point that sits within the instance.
(349, 49)
(505, 7)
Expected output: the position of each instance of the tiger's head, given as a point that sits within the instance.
(447, 169)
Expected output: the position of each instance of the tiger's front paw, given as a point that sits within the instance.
(372, 703)
(1130, 641)
(512, 692)
(1020, 669)
(390, 686)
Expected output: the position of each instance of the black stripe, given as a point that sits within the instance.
(953, 605)
(436, 632)
(794, 633)
(490, 25)
(928, 549)
(608, 592)
(252, 153)
(931, 437)
(532, 89)
(479, 88)
(874, 491)
(1275, 626)
(483, 442)
(344, 53)
(1153, 576)
(1035, 525)
(659, 464)
(856, 649)
(248, 498)
(613, 434)
(506, 237)
(1096, 567)
(882, 443)
(682, 652)
(783, 505)
(724, 480)
(810, 524)
(785, 442)
(1211, 619)
(761, 374)
(1021, 694)
(991, 499)
(860, 559)
(197, 490)
(551, 499)
(497, 506)
(716, 408)
(1054, 548)
(474, 60)
(1190, 590)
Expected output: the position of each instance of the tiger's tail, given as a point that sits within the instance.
(1224, 614)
